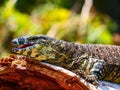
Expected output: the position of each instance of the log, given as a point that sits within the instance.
(22, 73)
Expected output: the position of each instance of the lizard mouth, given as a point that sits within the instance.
(24, 46)
(18, 47)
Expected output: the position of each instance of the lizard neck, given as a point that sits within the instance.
(67, 54)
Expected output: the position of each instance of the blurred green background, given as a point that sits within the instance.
(81, 21)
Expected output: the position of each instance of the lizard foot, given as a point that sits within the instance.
(89, 78)
(92, 79)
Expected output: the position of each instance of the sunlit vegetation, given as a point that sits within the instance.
(54, 18)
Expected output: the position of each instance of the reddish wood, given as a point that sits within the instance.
(32, 75)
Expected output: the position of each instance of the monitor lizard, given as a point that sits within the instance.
(93, 62)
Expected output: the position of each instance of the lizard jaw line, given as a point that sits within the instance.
(24, 46)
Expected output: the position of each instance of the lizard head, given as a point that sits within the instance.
(38, 46)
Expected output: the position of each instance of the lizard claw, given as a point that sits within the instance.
(89, 78)
(92, 79)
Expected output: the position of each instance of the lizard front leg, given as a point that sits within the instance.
(96, 71)
(93, 71)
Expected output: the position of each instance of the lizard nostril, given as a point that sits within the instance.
(14, 42)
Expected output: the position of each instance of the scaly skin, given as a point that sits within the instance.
(92, 62)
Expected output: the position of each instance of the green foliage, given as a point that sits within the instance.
(98, 30)
(25, 6)
(65, 3)
(50, 17)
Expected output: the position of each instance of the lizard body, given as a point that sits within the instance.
(92, 62)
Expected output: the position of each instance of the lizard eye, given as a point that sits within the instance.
(33, 38)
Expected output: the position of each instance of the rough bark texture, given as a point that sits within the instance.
(21, 73)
